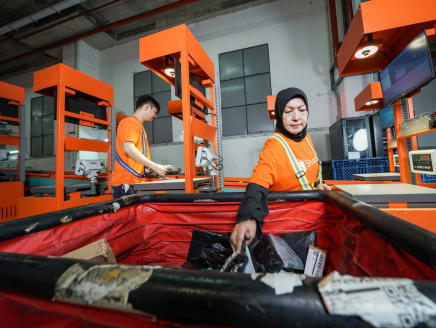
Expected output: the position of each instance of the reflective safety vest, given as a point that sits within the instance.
(299, 173)
(128, 168)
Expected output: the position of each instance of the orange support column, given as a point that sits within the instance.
(401, 143)
(187, 131)
(214, 141)
(390, 150)
(401, 140)
(60, 135)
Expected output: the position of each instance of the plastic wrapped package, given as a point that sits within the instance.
(300, 242)
(273, 254)
(208, 250)
(418, 124)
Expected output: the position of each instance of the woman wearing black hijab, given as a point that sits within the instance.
(288, 162)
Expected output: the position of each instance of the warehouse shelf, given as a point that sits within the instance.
(409, 135)
(391, 34)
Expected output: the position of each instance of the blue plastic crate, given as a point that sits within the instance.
(344, 169)
(427, 178)
(345, 173)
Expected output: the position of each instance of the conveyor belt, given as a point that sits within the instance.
(380, 195)
(168, 184)
(385, 176)
(84, 188)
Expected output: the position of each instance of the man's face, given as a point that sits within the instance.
(149, 112)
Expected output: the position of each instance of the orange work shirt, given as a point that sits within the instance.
(129, 129)
(274, 170)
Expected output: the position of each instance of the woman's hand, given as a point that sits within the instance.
(323, 186)
(242, 229)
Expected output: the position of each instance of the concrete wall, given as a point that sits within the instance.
(297, 34)
(347, 90)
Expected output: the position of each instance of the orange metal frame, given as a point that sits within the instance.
(10, 191)
(270, 105)
(59, 80)
(14, 95)
(390, 150)
(390, 32)
(401, 141)
(373, 91)
(423, 217)
(178, 42)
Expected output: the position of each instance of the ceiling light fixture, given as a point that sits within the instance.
(371, 102)
(170, 72)
(366, 52)
(169, 69)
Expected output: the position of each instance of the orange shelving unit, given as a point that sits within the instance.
(178, 45)
(68, 85)
(12, 98)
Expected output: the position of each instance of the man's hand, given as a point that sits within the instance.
(323, 186)
(161, 170)
(242, 229)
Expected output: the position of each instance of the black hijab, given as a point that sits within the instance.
(281, 100)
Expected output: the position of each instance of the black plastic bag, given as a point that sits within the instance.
(208, 250)
(240, 262)
(273, 254)
(235, 263)
(300, 242)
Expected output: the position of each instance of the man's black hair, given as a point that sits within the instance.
(146, 99)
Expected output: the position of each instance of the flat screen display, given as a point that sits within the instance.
(386, 117)
(409, 71)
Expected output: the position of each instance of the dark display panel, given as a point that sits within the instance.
(409, 71)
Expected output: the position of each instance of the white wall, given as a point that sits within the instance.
(297, 34)
(347, 90)
(88, 59)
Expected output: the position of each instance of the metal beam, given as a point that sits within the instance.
(102, 29)
(29, 19)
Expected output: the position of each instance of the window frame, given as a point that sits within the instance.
(42, 135)
(159, 116)
(246, 105)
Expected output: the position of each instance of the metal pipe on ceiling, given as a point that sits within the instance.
(101, 29)
(86, 12)
(43, 13)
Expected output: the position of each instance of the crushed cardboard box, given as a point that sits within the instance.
(99, 251)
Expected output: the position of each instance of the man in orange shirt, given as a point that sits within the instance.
(288, 161)
(132, 156)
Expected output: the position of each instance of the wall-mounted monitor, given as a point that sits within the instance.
(409, 71)
(386, 117)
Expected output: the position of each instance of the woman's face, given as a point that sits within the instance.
(295, 115)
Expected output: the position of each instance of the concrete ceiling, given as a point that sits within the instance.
(40, 43)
